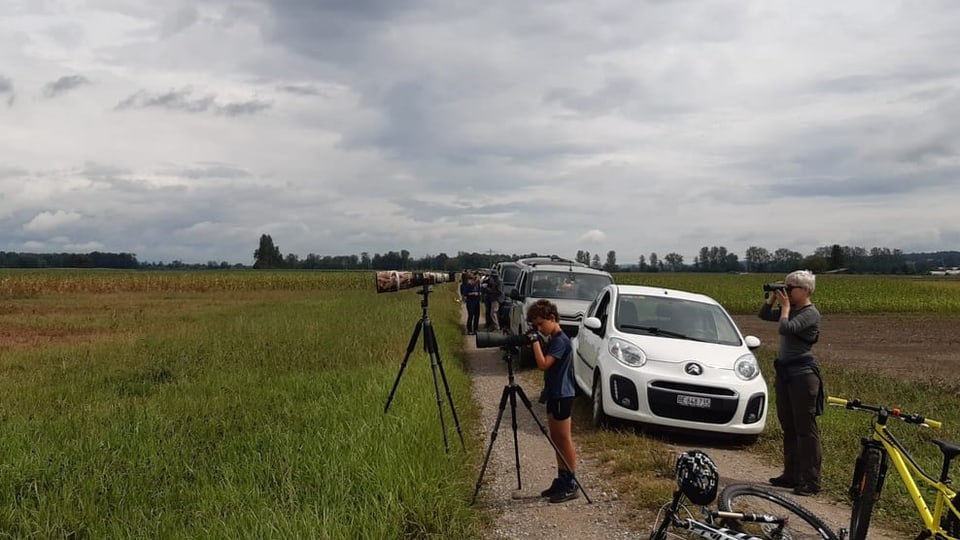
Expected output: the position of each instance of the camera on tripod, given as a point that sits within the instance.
(496, 339)
(395, 280)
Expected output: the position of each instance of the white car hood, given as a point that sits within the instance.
(673, 350)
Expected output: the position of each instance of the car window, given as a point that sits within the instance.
(698, 320)
(522, 283)
(567, 285)
(602, 311)
(510, 274)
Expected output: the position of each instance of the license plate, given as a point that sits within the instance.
(693, 401)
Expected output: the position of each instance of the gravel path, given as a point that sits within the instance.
(522, 513)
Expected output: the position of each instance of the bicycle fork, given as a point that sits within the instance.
(857, 484)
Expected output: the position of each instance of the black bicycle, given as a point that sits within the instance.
(746, 512)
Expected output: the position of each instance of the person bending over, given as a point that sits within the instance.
(554, 354)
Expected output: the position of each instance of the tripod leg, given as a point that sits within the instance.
(436, 390)
(430, 344)
(410, 347)
(516, 441)
(543, 429)
(430, 340)
(493, 437)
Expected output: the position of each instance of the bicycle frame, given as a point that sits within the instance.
(707, 529)
(909, 471)
(892, 451)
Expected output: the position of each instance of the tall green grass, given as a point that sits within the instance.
(234, 418)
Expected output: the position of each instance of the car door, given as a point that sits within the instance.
(517, 316)
(590, 342)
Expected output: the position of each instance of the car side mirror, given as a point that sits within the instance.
(515, 295)
(594, 323)
(752, 342)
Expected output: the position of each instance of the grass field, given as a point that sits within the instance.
(163, 405)
(250, 404)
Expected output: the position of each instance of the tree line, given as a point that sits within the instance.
(836, 258)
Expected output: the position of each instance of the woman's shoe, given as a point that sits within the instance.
(782, 481)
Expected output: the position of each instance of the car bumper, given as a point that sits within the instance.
(710, 403)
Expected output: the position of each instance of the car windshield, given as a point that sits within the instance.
(567, 285)
(675, 318)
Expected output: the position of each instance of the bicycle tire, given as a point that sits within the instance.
(863, 490)
(748, 498)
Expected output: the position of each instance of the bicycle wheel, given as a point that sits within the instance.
(747, 498)
(863, 490)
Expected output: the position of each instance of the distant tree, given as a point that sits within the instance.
(814, 263)
(757, 259)
(654, 262)
(641, 263)
(704, 259)
(785, 260)
(674, 261)
(364, 259)
(582, 257)
(611, 264)
(267, 255)
(595, 261)
(836, 257)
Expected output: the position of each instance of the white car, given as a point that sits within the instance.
(670, 358)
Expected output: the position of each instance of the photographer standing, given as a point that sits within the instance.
(470, 292)
(555, 358)
(492, 298)
(798, 384)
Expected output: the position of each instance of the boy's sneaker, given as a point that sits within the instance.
(555, 487)
(567, 492)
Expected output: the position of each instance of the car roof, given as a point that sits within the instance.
(563, 267)
(552, 259)
(645, 290)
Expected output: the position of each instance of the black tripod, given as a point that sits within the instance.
(430, 346)
(511, 391)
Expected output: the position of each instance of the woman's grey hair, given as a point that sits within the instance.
(803, 278)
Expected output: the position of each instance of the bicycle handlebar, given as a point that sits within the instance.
(855, 404)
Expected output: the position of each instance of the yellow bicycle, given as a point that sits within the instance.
(882, 448)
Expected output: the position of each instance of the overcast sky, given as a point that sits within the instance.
(185, 129)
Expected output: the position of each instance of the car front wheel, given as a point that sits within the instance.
(600, 418)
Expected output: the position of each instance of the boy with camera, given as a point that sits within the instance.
(554, 355)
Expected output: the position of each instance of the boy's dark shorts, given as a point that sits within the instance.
(560, 409)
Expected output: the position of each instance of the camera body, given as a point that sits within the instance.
(771, 287)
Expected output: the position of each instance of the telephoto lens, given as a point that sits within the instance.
(496, 339)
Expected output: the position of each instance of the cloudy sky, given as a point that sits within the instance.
(185, 129)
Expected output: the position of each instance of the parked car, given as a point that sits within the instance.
(669, 358)
(568, 284)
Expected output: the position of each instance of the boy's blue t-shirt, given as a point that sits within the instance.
(558, 379)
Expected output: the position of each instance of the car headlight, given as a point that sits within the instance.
(746, 367)
(627, 353)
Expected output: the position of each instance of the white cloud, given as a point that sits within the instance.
(592, 236)
(185, 130)
(46, 222)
